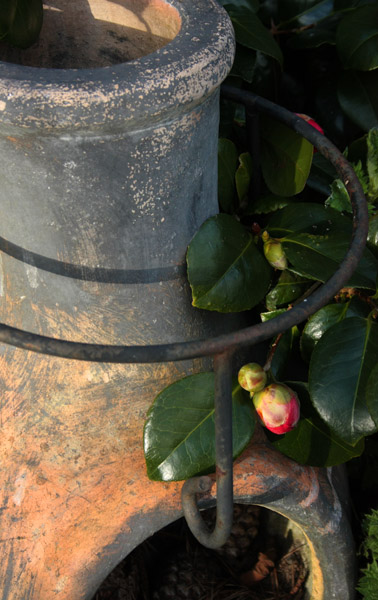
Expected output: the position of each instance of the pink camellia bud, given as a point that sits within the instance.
(252, 377)
(278, 407)
(310, 121)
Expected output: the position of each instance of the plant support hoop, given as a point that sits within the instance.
(221, 348)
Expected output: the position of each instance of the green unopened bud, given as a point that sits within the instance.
(274, 254)
(252, 377)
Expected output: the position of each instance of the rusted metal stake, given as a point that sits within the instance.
(223, 453)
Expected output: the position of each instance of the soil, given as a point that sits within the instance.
(172, 565)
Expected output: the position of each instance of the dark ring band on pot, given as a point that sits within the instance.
(94, 274)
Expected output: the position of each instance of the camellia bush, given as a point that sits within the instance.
(283, 228)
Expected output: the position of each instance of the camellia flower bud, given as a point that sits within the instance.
(274, 252)
(252, 377)
(278, 407)
(310, 121)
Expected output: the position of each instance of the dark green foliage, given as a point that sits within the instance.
(20, 21)
(315, 57)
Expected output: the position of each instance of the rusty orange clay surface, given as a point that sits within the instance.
(73, 480)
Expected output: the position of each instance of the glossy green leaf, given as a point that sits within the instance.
(243, 176)
(285, 158)
(283, 345)
(226, 271)
(372, 161)
(339, 197)
(272, 314)
(339, 371)
(308, 217)
(267, 204)
(227, 165)
(319, 256)
(358, 97)
(179, 433)
(319, 323)
(283, 352)
(312, 442)
(373, 232)
(288, 288)
(372, 393)
(20, 21)
(357, 38)
(315, 240)
(313, 38)
(322, 320)
(322, 174)
(251, 33)
(304, 12)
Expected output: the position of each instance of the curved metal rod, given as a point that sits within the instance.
(224, 466)
(250, 335)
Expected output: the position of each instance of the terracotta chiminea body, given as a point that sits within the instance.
(108, 138)
(108, 170)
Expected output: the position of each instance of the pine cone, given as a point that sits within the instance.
(185, 577)
(243, 533)
(128, 581)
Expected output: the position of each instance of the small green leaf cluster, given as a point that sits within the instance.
(366, 169)
(20, 21)
(368, 582)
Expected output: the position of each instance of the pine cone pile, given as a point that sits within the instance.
(244, 531)
(185, 577)
(172, 565)
(128, 581)
(195, 574)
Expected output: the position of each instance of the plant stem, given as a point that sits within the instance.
(272, 351)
